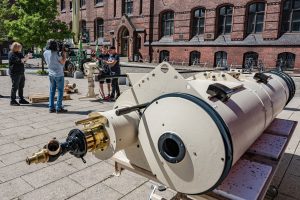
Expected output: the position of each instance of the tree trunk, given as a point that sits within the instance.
(42, 58)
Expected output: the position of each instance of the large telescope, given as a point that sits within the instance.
(184, 133)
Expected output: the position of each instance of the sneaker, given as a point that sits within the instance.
(23, 101)
(107, 98)
(61, 111)
(14, 103)
(52, 110)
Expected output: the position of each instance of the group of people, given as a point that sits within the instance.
(109, 70)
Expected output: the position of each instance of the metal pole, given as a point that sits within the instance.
(75, 20)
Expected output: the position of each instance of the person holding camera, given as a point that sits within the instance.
(55, 62)
(16, 62)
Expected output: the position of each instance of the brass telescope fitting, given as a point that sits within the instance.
(92, 137)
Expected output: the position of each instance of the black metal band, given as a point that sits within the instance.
(289, 82)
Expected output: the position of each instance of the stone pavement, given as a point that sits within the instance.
(25, 129)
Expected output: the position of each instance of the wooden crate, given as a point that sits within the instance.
(38, 98)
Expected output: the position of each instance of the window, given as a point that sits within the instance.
(138, 42)
(99, 28)
(250, 60)
(225, 20)
(71, 5)
(286, 60)
(167, 23)
(84, 32)
(195, 58)
(198, 21)
(82, 3)
(221, 59)
(291, 16)
(70, 25)
(256, 14)
(141, 7)
(127, 7)
(164, 56)
(62, 5)
(115, 11)
(98, 2)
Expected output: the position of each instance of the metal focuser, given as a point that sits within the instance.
(92, 137)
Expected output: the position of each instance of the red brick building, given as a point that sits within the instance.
(217, 32)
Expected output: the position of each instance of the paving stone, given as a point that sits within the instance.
(7, 148)
(18, 156)
(15, 130)
(118, 182)
(294, 167)
(144, 191)
(8, 139)
(7, 120)
(78, 164)
(98, 192)
(1, 164)
(284, 197)
(94, 174)
(61, 189)
(14, 188)
(290, 186)
(18, 169)
(282, 168)
(34, 132)
(48, 174)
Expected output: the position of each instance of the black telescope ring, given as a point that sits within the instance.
(171, 147)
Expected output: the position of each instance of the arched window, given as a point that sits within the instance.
(127, 7)
(198, 21)
(167, 23)
(84, 32)
(221, 59)
(286, 60)
(164, 56)
(225, 19)
(82, 3)
(256, 14)
(250, 60)
(195, 58)
(82, 24)
(62, 5)
(99, 28)
(291, 16)
(98, 2)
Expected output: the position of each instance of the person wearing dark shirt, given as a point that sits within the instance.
(114, 63)
(104, 71)
(16, 62)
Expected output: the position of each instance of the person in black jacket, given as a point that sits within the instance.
(16, 71)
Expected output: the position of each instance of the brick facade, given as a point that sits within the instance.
(145, 23)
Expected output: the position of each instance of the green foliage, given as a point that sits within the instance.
(34, 22)
(3, 66)
(4, 15)
(42, 72)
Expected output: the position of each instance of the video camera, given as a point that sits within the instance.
(59, 46)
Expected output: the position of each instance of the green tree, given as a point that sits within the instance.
(3, 16)
(34, 22)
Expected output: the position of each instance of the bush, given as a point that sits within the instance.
(3, 66)
(41, 72)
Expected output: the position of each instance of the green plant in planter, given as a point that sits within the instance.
(42, 73)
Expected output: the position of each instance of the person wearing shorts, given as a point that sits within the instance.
(104, 71)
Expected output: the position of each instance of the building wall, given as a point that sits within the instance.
(146, 24)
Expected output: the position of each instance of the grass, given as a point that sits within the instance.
(43, 73)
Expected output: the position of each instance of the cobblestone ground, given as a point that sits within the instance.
(25, 129)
